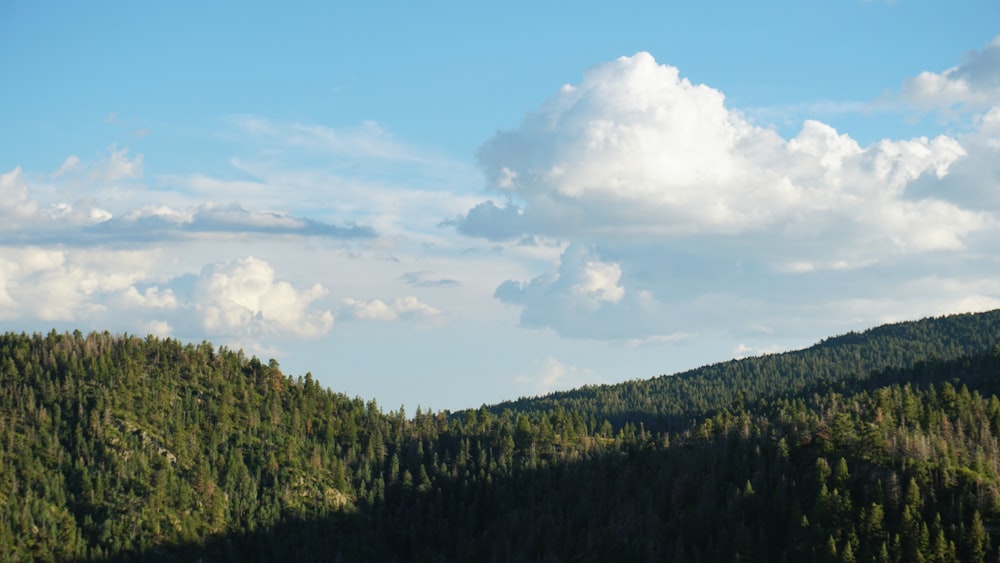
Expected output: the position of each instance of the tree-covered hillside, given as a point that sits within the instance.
(880, 446)
(670, 402)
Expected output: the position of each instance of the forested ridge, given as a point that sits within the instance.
(670, 402)
(874, 446)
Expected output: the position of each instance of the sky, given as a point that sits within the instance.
(450, 204)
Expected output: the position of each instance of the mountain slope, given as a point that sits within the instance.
(672, 402)
(880, 446)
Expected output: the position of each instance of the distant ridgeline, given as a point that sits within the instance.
(672, 402)
(878, 446)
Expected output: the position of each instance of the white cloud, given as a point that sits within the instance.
(295, 208)
(599, 283)
(584, 297)
(743, 350)
(150, 291)
(972, 85)
(242, 297)
(667, 198)
(404, 308)
(34, 210)
(25, 215)
(117, 166)
(71, 163)
(158, 328)
(96, 215)
(805, 266)
(973, 182)
(550, 374)
(64, 285)
(161, 212)
(66, 215)
(15, 205)
(373, 310)
(635, 151)
(152, 298)
(163, 221)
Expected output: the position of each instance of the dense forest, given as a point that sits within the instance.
(874, 446)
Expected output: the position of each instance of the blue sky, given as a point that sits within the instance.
(454, 204)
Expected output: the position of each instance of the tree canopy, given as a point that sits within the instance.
(876, 446)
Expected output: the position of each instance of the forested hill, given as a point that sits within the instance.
(881, 446)
(673, 402)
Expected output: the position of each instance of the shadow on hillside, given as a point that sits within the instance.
(592, 510)
(685, 503)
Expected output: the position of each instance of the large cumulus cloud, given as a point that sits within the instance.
(639, 169)
(635, 150)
